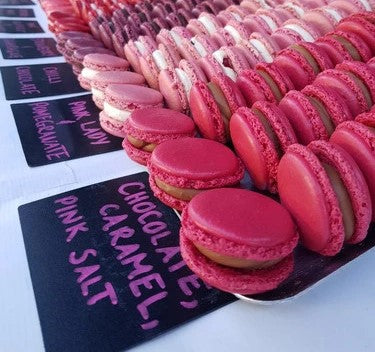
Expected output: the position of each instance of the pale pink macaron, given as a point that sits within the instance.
(103, 79)
(94, 63)
(120, 100)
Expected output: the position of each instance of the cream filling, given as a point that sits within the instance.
(97, 93)
(270, 22)
(185, 194)
(88, 73)
(176, 37)
(141, 48)
(234, 262)
(234, 33)
(306, 36)
(159, 60)
(198, 47)
(366, 5)
(207, 24)
(264, 5)
(262, 49)
(184, 79)
(114, 113)
(219, 56)
(333, 13)
(299, 10)
(236, 16)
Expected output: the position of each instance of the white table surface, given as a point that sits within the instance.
(338, 315)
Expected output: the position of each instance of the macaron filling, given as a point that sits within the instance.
(262, 50)
(221, 102)
(307, 55)
(140, 144)
(343, 199)
(185, 194)
(323, 114)
(269, 131)
(303, 33)
(349, 47)
(115, 113)
(233, 262)
(271, 83)
(365, 91)
(225, 63)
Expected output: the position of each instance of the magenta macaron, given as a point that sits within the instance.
(327, 195)
(146, 128)
(182, 168)
(120, 100)
(237, 240)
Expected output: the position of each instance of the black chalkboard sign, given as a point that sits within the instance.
(106, 267)
(59, 130)
(19, 27)
(28, 48)
(15, 2)
(16, 12)
(35, 81)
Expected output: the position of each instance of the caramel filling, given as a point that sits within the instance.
(274, 88)
(269, 131)
(233, 262)
(349, 47)
(139, 144)
(185, 194)
(310, 59)
(343, 198)
(323, 113)
(363, 88)
(221, 102)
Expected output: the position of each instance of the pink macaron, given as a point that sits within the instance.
(237, 240)
(146, 128)
(120, 100)
(260, 136)
(103, 79)
(327, 195)
(182, 168)
(358, 139)
(94, 63)
(133, 50)
(212, 105)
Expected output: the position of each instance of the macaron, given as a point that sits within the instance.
(146, 128)
(237, 240)
(103, 79)
(175, 84)
(343, 46)
(314, 112)
(324, 19)
(354, 81)
(182, 168)
(212, 105)
(76, 43)
(94, 63)
(358, 139)
(302, 62)
(260, 136)
(143, 46)
(120, 100)
(265, 83)
(327, 195)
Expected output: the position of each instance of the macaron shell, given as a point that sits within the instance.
(206, 113)
(305, 190)
(354, 182)
(231, 280)
(112, 126)
(359, 142)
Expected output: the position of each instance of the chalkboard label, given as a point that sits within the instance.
(60, 130)
(106, 267)
(35, 81)
(15, 2)
(16, 12)
(17, 27)
(29, 48)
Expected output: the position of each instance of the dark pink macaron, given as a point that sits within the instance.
(327, 195)
(182, 168)
(358, 139)
(212, 105)
(120, 100)
(146, 128)
(260, 136)
(237, 240)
